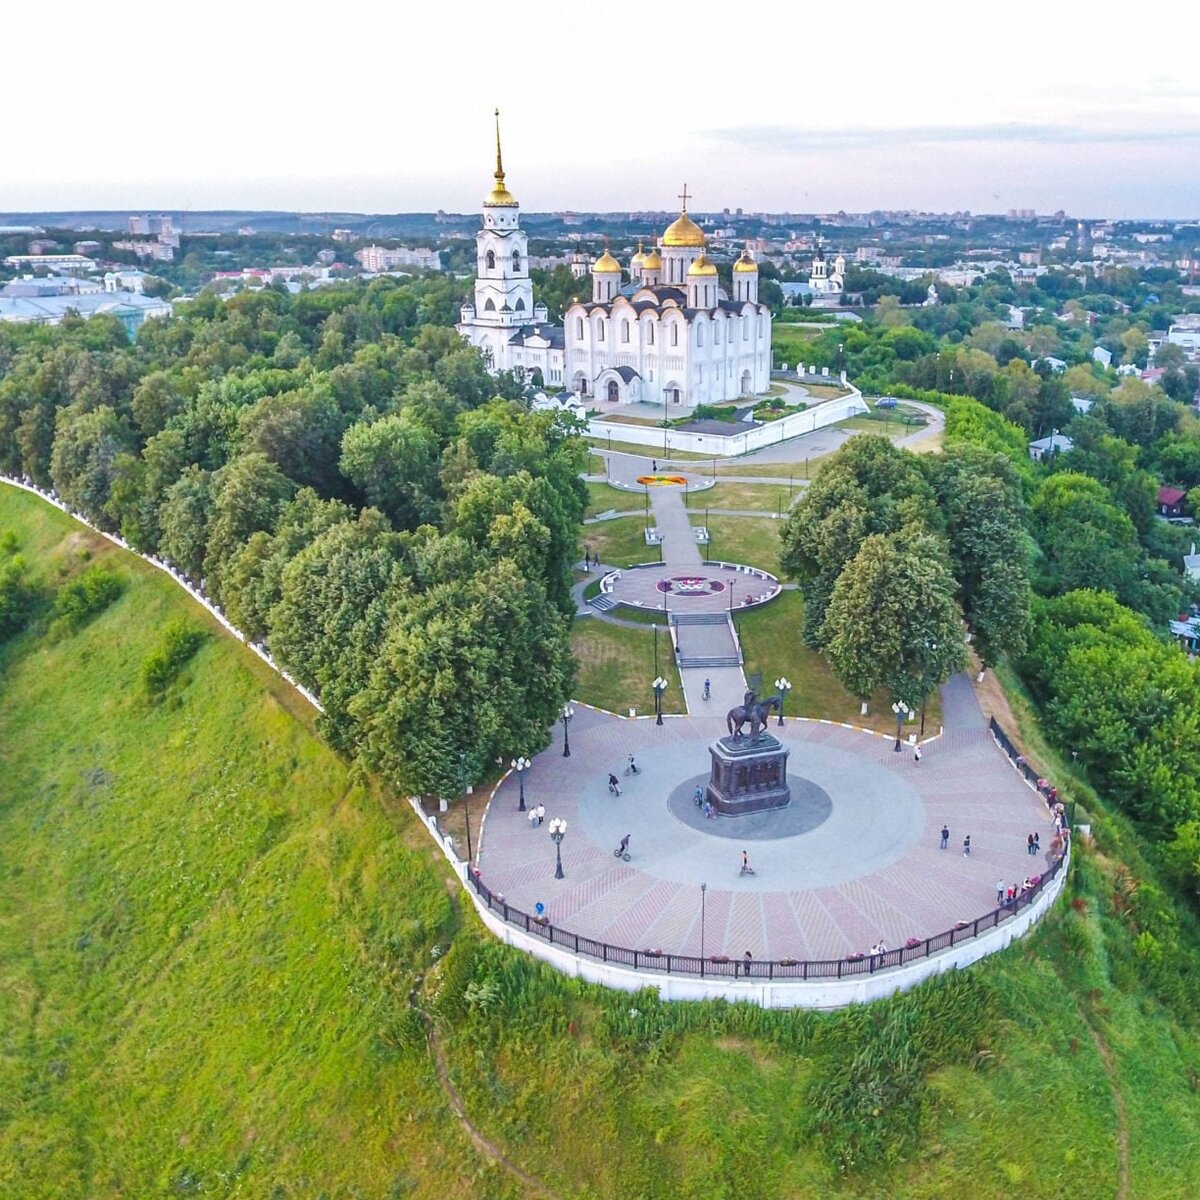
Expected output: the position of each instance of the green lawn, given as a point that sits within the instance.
(765, 497)
(773, 646)
(620, 542)
(750, 540)
(616, 666)
(647, 452)
(602, 498)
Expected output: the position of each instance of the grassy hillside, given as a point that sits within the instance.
(212, 937)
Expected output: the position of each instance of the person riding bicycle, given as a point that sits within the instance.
(613, 785)
(625, 845)
(632, 768)
(707, 688)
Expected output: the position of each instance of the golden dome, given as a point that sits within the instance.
(745, 262)
(652, 261)
(639, 257)
(500, 196)
(702, 267)
(606, 262)
(683, 231)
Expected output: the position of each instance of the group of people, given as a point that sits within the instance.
(1012, 892)
(631, 768)
(1033, 843)
(537, 814)
(945, 842)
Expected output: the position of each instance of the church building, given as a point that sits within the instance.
(673, 334)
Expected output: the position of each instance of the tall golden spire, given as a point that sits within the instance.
(500, 196)
(499, 160)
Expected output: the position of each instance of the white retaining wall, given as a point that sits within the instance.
(755, 437)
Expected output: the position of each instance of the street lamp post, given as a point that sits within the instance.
(655, 628)
(567, 713)
(659, 685)
(901, 710)
(783, 685)
(558, 831)
(703, 890)
(521, 765)
(731, 582)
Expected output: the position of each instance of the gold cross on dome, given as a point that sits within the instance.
(684, 197)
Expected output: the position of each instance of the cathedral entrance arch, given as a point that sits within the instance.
(745, 383)
(579, 383)
(614, 391)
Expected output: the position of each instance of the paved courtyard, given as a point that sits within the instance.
(856, 862)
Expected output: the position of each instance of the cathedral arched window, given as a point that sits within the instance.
(674, 335)
(699, 335)
(490, 306)
(520, 305)
(716, 333)
(600, 332)
(745, 329)
(579, 329)
(650, 333)
(625, 331)
(491, 260)
(516, 260)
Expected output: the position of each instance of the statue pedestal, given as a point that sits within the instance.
(748, 776)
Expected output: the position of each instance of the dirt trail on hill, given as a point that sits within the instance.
(489, 1149)
(1110, 1069)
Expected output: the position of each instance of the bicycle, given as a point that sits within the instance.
(613, 786)
(631, 768)
(746, 870)
(619, 853)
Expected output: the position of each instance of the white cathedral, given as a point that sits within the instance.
(671, 335)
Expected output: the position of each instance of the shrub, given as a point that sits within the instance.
(180, 641)
(16, 598)
(81, 598)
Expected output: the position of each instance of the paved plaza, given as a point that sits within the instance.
(854, 859)
(870, 868)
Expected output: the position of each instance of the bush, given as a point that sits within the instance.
(80, 599)
(16, 598)
(180, 641)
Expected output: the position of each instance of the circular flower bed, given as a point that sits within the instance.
(661, 480)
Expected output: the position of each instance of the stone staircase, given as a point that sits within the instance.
(705, 641)
(602, 603)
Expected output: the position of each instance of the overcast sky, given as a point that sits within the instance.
(372, 108)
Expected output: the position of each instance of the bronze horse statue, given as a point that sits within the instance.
(755, 711)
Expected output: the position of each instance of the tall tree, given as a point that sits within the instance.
(892, 621)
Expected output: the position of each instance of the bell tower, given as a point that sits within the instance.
(503, 291)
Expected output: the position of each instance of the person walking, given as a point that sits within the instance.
(745, 863)
(916, 756)
(1029, 844)
(967, 846)
(541, 813)
(532, 816)
(945, 837)
(1037, 842)
(1000, 892)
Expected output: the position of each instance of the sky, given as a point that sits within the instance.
(362, 107)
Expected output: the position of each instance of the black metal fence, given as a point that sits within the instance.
(653, 959)
(786, 968)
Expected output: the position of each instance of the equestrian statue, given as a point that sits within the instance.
(753, 710)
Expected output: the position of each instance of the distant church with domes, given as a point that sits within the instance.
(672, 334)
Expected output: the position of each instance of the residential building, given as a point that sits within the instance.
(1171, 501)
(1056, 443)
(383, 258)
(67, 264)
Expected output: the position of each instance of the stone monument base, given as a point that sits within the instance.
(748, 777)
